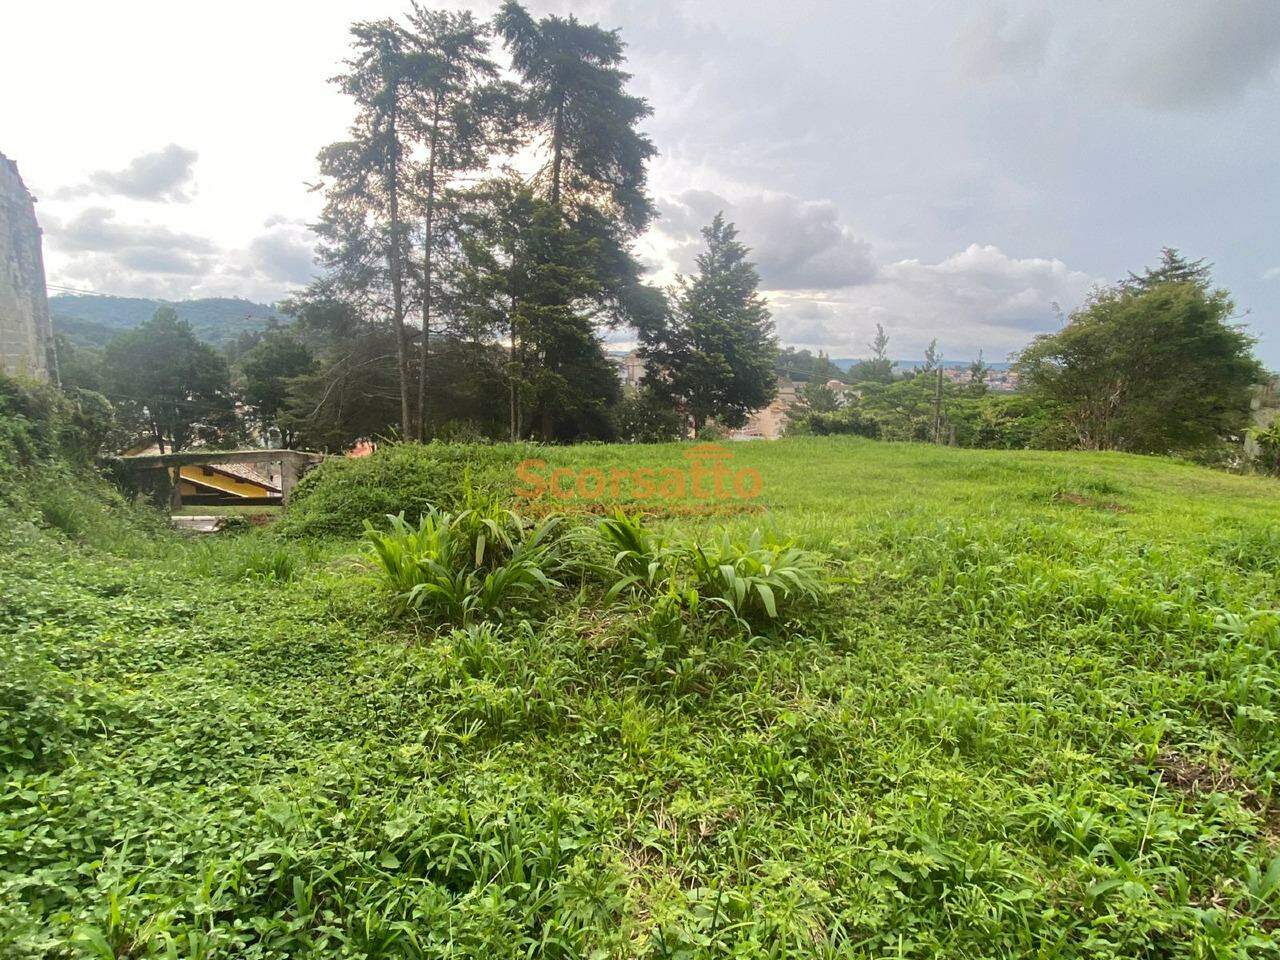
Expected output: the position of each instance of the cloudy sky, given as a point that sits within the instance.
(947, 168)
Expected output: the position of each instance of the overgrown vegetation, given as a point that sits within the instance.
(474, 565)
(339, 496)
(1024, 704)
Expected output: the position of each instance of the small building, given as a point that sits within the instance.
(770, 423)
(224, 482)
(631, 368)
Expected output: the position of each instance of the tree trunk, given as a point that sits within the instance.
(428, 258)
(515, 403)
(394, 265)
(557, 154)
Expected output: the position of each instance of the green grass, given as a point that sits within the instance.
(1035, 713)
(229, 510)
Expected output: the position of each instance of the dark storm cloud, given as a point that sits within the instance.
(166, 174)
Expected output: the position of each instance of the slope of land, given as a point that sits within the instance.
(1037, 716)
(93, 320)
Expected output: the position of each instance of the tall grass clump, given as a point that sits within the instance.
(753, 581)
(478, 564)
(252, 555)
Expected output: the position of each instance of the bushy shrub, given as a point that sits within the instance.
(641, 417)
(40, 424)
(338, 497)
(1268, 441)
(850, 421)
(252, 555)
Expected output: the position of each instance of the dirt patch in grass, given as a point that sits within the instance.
(1081, 500)
(1192, 776)
(653, 510)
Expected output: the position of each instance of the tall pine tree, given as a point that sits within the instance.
(714, 355)
(580, 118)
(363, 240)
(463, 114)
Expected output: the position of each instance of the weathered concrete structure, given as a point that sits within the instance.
(1264, 407)
(26, 336)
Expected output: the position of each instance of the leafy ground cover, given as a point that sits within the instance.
(1035, 712)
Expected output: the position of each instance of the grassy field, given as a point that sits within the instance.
(1038, 714)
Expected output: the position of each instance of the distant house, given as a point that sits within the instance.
(226, 481)
(770, 423)
(630, 369)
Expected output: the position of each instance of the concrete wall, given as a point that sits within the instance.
(26, 337)
(1265, 407)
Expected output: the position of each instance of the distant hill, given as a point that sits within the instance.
(846, 362)
(93, 320)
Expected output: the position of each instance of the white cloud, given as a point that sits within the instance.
(978, 298)
(166, 174)
(285, 253)
(796, 244)
(96, 250)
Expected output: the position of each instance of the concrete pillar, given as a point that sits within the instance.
(175, 489)
(288, 477)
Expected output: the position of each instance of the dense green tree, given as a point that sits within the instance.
(1151, 366)
(353, 391)
(583, 276)
(1173, 268)
(878, 368)
(528, 281)
(580, 113)
(265, 373)
(932, 357)
(803, 365)
(715, 354)
(164, 381)
(815, 397)
(978, 372)
(79, 366)
(641, 417)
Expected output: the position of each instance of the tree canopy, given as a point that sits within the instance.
(715, 353)
(1151, 365)
(168, 384)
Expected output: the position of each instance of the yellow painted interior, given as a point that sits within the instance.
(195, 480)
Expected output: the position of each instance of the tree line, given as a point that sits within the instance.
(476, 240)
(476, 243)
(1156, 363)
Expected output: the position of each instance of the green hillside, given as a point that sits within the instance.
(1033, 712)
(93, 320)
